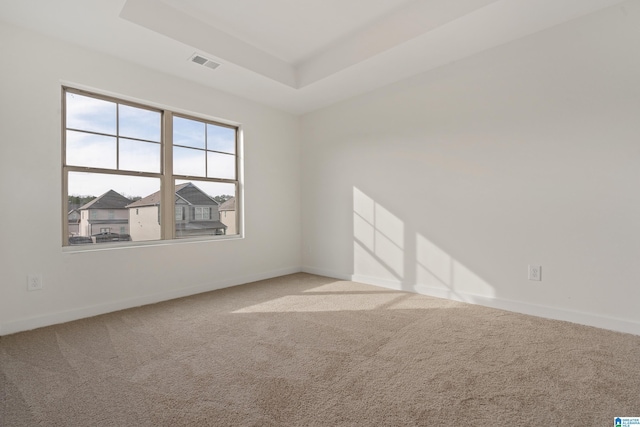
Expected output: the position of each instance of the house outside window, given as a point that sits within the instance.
(131, 162)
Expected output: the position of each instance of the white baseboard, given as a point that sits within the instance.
(49, 319)
(620, 325)
(326, 273)
(582, 318)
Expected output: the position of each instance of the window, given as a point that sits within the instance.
(202, 213)
(150, 173)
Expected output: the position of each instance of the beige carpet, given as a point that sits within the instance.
(305, 350)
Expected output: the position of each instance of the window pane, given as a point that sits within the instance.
(221, 165)
(220, 138)
(189, 133)
(210, 208)
(139, 123)
(128, 207)
(90, 114)
(187, 161)
(87, 149)
(139, 156)
(179, 212)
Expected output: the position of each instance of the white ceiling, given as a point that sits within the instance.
(295, 55)
(308, 27)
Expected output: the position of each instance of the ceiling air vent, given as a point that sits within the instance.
(199, 59)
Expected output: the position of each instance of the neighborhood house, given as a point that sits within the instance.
(196, 214)
(104, 215)
(114, 217)
(228, 215)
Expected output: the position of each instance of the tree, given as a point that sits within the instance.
(222, 198)
(77, 201)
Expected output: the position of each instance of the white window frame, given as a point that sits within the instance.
(167, 178)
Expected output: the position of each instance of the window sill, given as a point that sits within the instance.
(99, 247)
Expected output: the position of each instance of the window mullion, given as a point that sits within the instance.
(206, 151)
(167, 202)
(117, 136)
(65, 172)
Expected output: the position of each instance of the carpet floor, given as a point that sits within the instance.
(305, 350)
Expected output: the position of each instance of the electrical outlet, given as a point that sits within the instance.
(34, 282)
(535, 272)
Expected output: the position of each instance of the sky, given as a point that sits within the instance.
(114, 136)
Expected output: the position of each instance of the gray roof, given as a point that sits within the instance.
(109, 200)
(188, 192)
(229, 205)
(152, 199)
(195, 196)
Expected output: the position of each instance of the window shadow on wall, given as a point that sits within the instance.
(386, 250)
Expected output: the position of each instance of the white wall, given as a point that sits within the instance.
(33, 68)
(452, 182)
(448, 183)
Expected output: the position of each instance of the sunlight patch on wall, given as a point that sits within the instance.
(386, 253)
(437, 270)
(434, 266)
(465, 280)
(378, 238)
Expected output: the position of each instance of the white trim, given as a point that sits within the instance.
(108, 246)
(582, 318)
(326, 273)
(29, 323)
(603, 322)
(187, 29)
